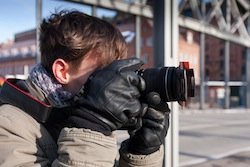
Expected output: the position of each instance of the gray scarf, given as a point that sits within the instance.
(52, 90)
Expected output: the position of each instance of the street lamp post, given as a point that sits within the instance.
(38, 22)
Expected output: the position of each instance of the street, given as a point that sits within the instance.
(213, 135)
(210, 134)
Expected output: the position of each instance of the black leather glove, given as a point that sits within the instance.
(109, 98)
(154, 128)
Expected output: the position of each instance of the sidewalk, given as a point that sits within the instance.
(212, 110)
(237, 160)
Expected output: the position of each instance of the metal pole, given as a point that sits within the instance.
(38, 22)
(248, 77)
(94, 11)
(248, 69)
(227, 58)
(202, 60)
(227, 77)
(171, 38)
(202, 71)
(175, 105)
(167, 62)
(159, 33)
(138, 36)
(165, 51)
(166, 39)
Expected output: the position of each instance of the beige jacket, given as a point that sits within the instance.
(24, 142)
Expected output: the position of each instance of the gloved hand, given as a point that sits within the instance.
(110, 98)
(155, 123)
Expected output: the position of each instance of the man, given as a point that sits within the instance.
(65, 113)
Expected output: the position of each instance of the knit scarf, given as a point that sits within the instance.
(51, 88)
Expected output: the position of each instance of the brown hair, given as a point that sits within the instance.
(70, 35)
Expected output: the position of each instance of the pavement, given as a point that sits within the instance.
(240, 159)
(237, 160)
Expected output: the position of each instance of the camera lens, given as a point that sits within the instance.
(173, 84)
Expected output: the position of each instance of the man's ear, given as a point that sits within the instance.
(60, 70)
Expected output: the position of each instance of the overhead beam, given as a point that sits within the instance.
(210, 30)
(222, 83)
(185, 22)
(245, 4)
(237, 16)
(195, 7)
(213, 10)
(132, 8)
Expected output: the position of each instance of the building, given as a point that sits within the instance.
(19, 56)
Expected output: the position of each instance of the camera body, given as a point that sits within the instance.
(171, 83)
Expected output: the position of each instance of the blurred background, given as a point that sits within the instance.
(223, 69)
(212, 35)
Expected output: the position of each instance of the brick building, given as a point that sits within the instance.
(19, 56)
(215, 60)
(189, 50)
(126, 23)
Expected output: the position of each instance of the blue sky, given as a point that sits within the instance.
(20, 15)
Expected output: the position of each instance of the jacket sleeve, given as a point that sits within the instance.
(130, 160)
(25, 142)
(19, 138)
(83, 147)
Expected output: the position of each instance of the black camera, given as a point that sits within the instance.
(171, 83)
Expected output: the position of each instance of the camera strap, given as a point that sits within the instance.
(12, 94)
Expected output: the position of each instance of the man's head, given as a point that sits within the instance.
(74, 44)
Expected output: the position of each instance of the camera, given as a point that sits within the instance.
(171, 83)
